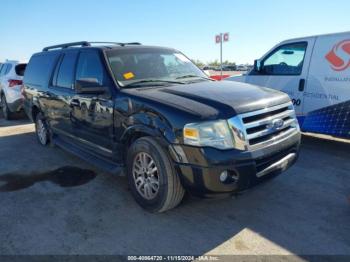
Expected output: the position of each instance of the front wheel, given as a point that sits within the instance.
(42, 130)
(151, 176)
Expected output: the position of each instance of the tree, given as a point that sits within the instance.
(199, 63)
(229, 63)
(214, 63)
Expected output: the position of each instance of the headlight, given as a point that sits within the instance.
(214, 134)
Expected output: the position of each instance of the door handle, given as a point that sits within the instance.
(301, 85)
(75, 103)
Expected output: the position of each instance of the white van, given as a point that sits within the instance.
(315, 72)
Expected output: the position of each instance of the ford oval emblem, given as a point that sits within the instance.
(277, 123)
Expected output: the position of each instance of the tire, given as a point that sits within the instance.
(8, 115)
(42, 129)
(170, 191)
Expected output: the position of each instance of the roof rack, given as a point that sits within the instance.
(116, 43)
(82, 43)
(86, 43)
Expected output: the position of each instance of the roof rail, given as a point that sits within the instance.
(116, 43)
(82, 43)
(86, 43)
(131, 43)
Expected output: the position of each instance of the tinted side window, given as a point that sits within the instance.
(90, 66)
(39, 68)
(3, 69)
(20, 69)
(9, 67)
(66, 70)
(286, 60)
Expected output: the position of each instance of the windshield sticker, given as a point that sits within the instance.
(129, 75)
(182, 58)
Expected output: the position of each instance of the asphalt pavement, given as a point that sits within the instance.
(54, 203)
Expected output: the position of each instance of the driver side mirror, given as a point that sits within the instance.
(88, 86)
(258, 65)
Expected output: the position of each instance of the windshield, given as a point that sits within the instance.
(152, 66)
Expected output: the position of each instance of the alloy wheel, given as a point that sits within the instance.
(146, 176)
(41, 131)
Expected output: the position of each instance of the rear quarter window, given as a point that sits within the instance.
(20, 69)
(39, 68)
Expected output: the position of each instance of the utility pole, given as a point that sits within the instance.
(219, 39)
(221, 55)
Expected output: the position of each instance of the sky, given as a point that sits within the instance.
(26, 26)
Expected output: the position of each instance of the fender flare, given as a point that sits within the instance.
(139, 130)
(34, 103)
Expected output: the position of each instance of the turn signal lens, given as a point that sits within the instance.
(191, 133)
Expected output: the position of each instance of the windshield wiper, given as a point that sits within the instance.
(153, 81)
(192, 76)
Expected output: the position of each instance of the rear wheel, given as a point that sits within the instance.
(8, 115)
(151, 176)
(41, 129)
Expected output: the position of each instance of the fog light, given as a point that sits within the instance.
(229, 177)
(224, 176)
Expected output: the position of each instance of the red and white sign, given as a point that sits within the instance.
(226, 37)
(222, 38)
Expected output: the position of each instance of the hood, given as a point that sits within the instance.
(219, 99)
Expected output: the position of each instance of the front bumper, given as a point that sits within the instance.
(200, 168)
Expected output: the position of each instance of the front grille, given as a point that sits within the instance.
(267, 126)
(257, 117)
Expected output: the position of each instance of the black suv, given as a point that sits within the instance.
(150, 113)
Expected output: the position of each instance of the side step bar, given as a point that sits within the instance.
(97, 161)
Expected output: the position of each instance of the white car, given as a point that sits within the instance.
(11, 98)
(315, 72)
(242, 68)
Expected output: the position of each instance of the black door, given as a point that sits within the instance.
(92, 114)
(60, 93)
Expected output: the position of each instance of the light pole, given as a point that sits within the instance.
(219, 39)
(221, 55)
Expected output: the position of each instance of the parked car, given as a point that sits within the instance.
(207, 68)
(11, 99)
(151, 113)
(314, 71)
(241, 68)
(249, 67)
(229, 68)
